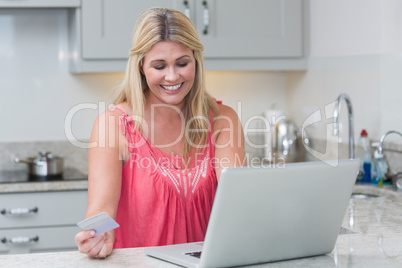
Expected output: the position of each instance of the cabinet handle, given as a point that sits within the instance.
(20, 240)
(186, 9)
(205, 16)
(19, 211)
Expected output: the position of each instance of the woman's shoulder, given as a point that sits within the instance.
(118, 110)
(123, 108)
(114, 111)
(225, 111)
(225, 117)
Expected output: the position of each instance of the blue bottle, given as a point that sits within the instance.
(381, 167)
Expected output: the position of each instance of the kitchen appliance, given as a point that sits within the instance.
(21, 176)
(289, 141)
(43, 165)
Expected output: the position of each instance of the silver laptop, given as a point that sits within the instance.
(269, 214)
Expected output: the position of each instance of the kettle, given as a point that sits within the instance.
(289, 141)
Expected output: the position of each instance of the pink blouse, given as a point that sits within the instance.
(162, 203)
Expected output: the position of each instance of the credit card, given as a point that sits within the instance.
(100, 223)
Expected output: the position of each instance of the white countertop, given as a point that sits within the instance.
(47, 186)
(371, 237)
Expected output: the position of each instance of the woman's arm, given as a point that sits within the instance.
(104, 181)
(229, 140)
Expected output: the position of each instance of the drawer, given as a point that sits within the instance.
(42, 240)
(40, 209)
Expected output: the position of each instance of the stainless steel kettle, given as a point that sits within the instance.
(289, 142)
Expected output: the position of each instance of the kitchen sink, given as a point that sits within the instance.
(363, 196)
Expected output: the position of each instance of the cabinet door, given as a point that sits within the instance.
(24, 210)
(108, 26)
(35, 240)
(250, 29)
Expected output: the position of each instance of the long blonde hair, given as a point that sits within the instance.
(163, 24)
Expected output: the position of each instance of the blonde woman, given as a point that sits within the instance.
(161, 149)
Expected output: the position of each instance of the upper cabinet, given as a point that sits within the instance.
(39, 3)
(237, 35)
(250, 29)
(108, 26)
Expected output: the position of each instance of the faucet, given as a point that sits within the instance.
(383, 138)
(351, 124)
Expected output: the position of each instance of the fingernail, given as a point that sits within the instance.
(92, 233)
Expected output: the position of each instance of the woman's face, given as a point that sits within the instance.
(169, 69)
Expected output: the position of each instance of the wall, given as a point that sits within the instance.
(37, 92)
(355, 49)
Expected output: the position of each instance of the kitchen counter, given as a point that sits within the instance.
(17, 181)
(371, 236)
(48, 186)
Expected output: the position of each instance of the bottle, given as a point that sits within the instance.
(381, 167)
(365, 157)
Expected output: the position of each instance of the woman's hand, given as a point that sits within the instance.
(95, 247)
(104, 182)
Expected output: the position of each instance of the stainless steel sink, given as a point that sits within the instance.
(363, 196)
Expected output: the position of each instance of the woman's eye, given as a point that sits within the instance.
(159, 67)
(182, 64)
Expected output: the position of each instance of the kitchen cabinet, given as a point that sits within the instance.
(39, 3)
(237, 35)
(107, 26)
(250, 29)
(40, 221)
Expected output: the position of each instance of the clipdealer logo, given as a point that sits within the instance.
(329, 156)
(331, 153)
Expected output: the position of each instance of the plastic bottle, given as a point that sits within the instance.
(365, 156)
(381, 167)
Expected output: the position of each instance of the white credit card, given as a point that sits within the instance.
(100, 223)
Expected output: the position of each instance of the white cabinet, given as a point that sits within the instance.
(236, 34)
(107, 26)
(39, 3)
(40, 221)
(250, 29)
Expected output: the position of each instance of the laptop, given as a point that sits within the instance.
(270, 214)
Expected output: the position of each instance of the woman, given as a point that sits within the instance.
(162, 148)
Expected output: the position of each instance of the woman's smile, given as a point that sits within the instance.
(171, 89)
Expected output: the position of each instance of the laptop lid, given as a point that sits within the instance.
(268, 214)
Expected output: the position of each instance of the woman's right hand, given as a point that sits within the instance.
(95, 247)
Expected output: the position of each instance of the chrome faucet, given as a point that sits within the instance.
(351, 124)
(383, 138)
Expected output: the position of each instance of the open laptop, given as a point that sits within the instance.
(269, 214)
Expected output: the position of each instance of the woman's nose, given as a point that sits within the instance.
(172, 75)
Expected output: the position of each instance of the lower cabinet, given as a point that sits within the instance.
(40, 221)
(47, 239)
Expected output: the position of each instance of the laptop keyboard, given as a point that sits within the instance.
(196, 254)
